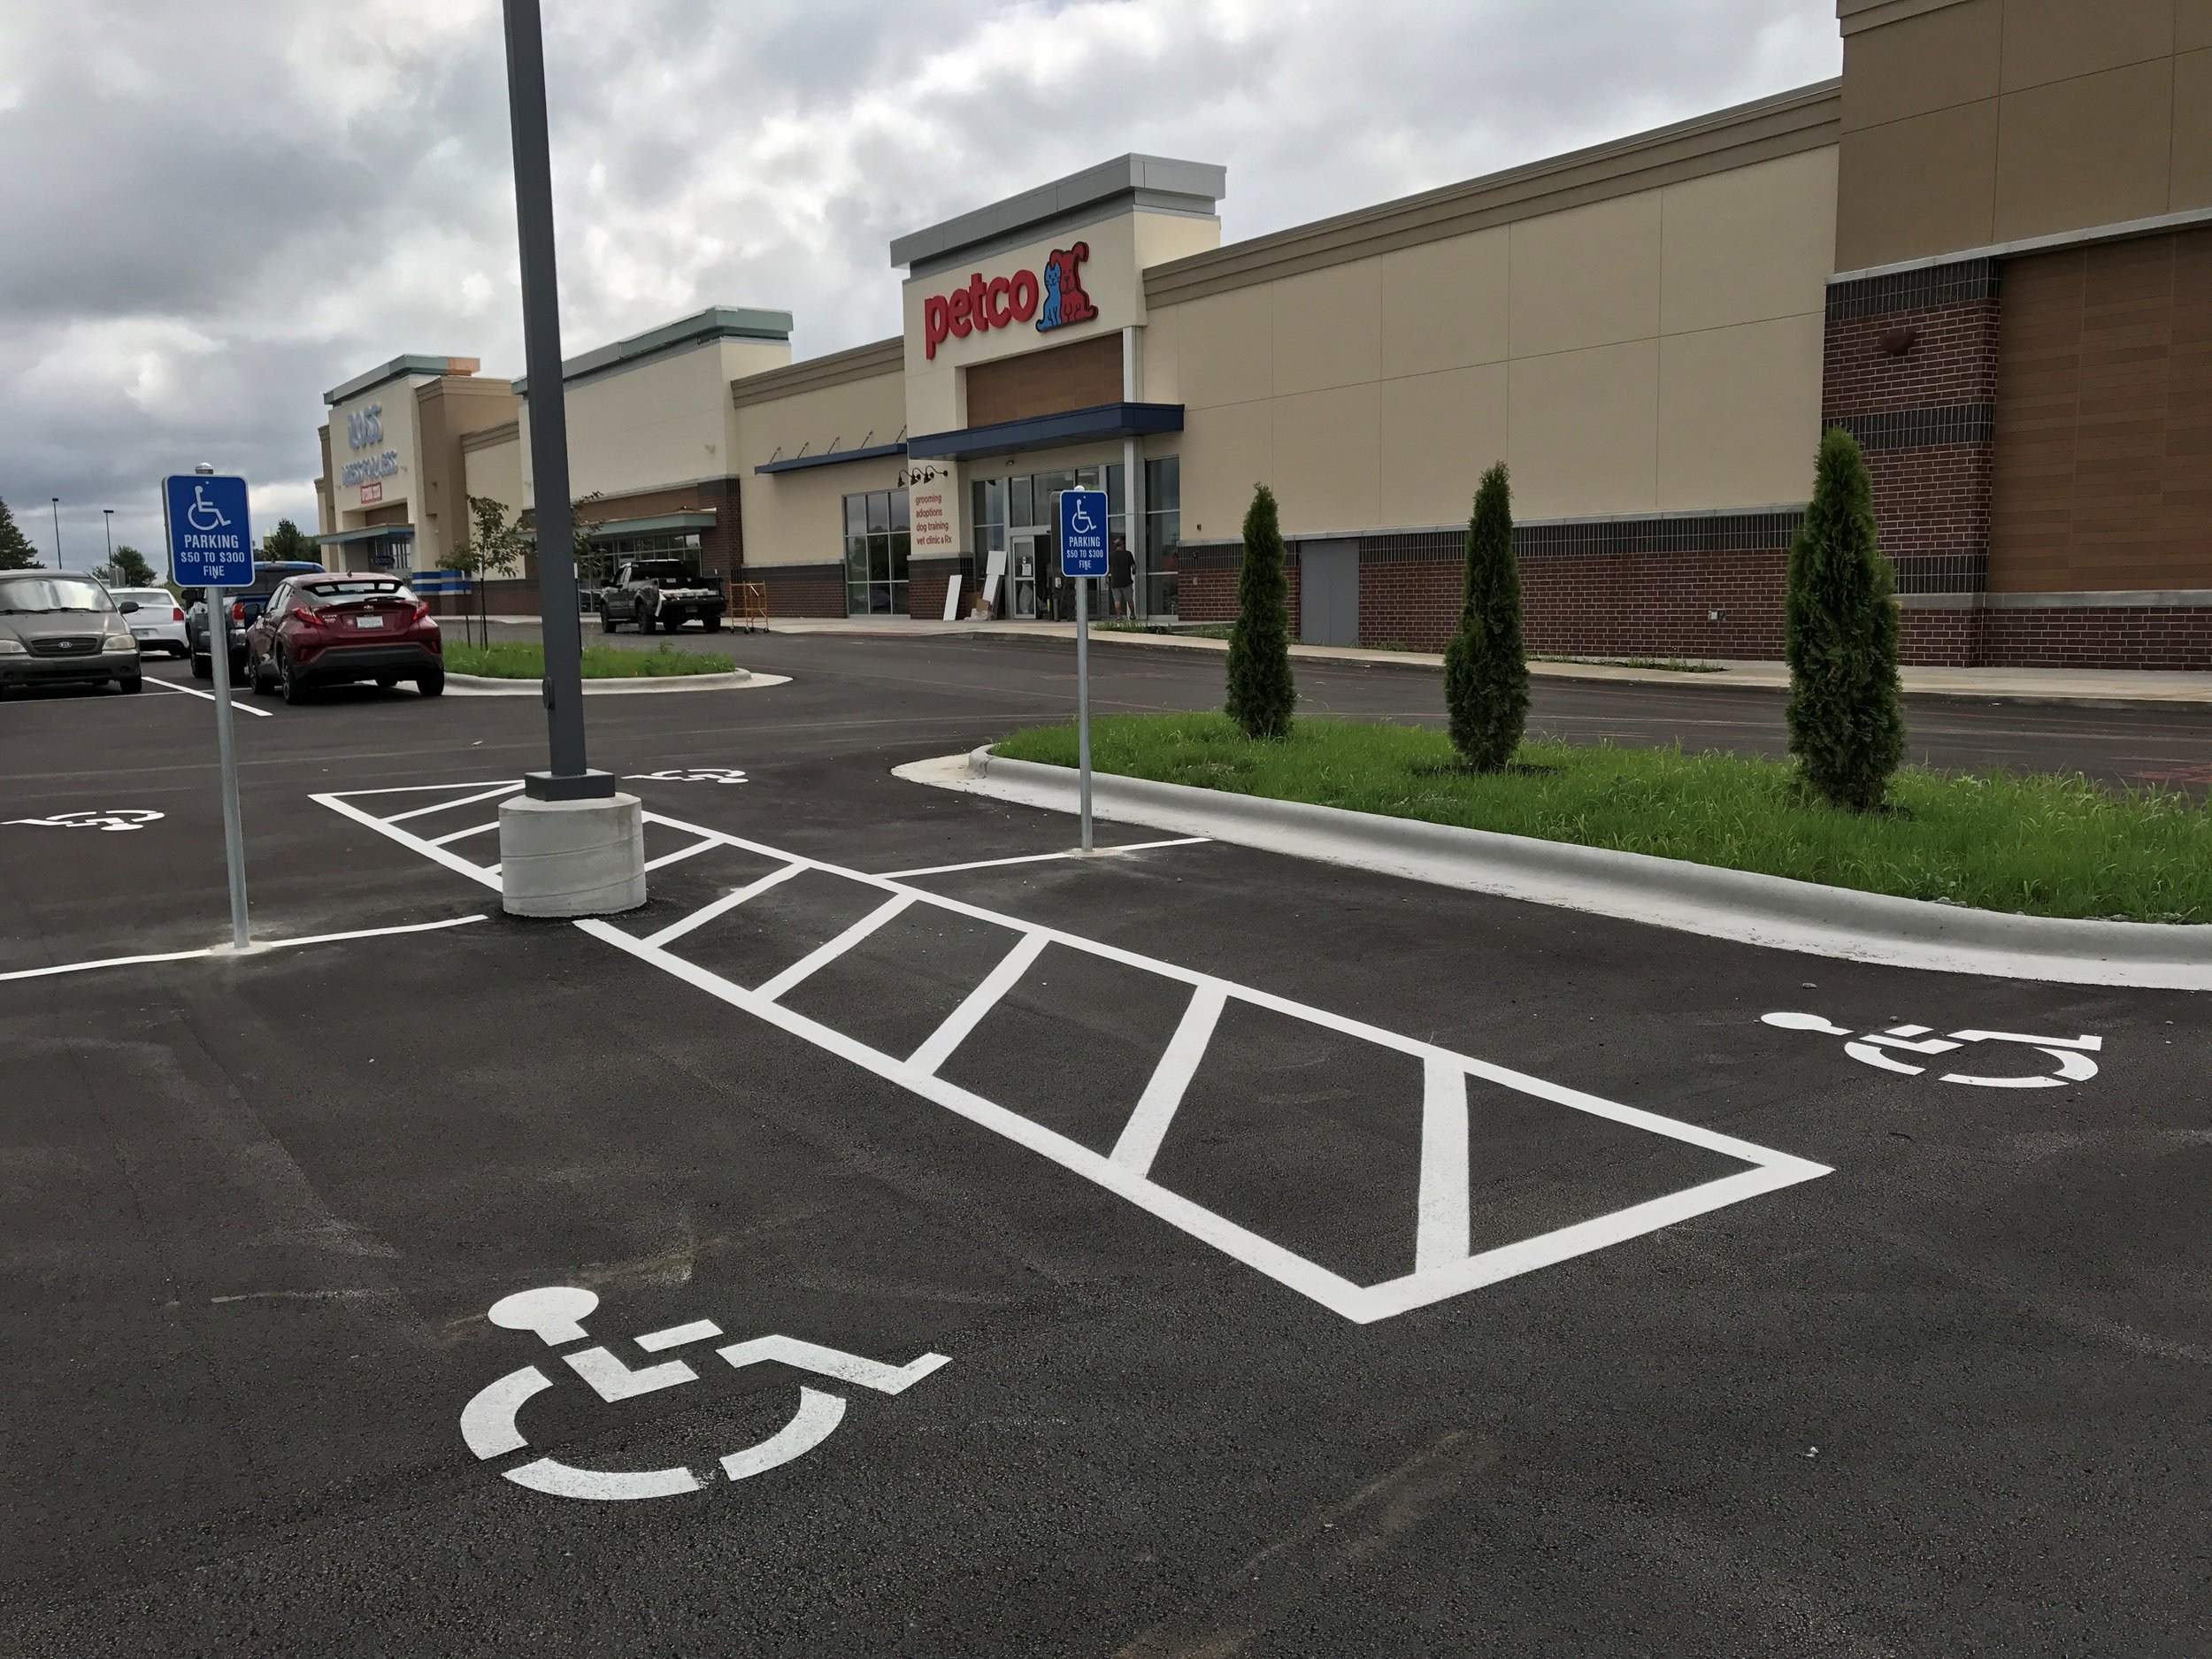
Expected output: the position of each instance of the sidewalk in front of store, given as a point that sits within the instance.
(2090, 687)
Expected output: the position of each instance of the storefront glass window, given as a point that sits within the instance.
(876, 540)
(1163, 532)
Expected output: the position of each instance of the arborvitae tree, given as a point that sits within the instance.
(1486, 666)
(1846, 721)
(16, 553)
(1261, 691)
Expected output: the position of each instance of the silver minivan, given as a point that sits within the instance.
(56, 628)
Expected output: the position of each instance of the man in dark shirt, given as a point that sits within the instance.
(1121, 569)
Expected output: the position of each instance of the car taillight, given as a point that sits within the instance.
(237, 610)
(176, 613)
(422, 612)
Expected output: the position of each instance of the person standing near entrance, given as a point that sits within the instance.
(1121, 570)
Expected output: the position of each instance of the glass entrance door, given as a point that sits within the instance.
(1023, 548)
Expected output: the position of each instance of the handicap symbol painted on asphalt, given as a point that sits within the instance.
(1879, 1048)
(557, 1312)
(114, 818)
(690, 774)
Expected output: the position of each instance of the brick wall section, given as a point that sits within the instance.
(926, 583)
(2099, 637)
(1206, 589)
(802, 590)
(1909, 367)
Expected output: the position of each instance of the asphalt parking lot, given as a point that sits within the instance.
(1190, 1251)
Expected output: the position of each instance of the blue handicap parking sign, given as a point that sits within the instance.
(1083, 531)
(209, 543)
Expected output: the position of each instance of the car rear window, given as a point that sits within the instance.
(149, 597)
(368, 587)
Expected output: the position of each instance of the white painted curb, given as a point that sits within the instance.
(743, 680)
(1734, 904)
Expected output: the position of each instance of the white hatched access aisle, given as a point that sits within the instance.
(1439, 1227)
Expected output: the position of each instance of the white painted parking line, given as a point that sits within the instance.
(225, 950)
(451, 837)
(1445, 1218)
(1438, 1252)
(492, 794)
(815, 960)
(1038, 858)
(680, 854)
(1140, 1136)
(937, 1048)
(193, 691)
(728, 902)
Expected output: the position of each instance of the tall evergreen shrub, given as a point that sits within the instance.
(1846, 721)
(16, 552)
(1486, 666)
(1261, 691)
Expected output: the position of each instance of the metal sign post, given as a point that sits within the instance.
(1083, 558)
(210, 547)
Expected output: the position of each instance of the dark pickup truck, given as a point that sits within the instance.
(663, 592)
(245, 606)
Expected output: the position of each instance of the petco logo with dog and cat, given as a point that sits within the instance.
(1053, 297)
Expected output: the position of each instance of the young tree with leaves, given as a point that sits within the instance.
(127, 568)
(1847, 719)
(16, 553)
(1262, 692)
(288, 543)
(1486, 665)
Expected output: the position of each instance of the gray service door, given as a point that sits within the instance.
(1328, 592)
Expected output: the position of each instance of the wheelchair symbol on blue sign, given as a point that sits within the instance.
(204, 515)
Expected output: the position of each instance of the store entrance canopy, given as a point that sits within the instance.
(1050, 432)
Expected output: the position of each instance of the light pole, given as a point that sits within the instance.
(569, 778)
(56, 532)
(107, 523)
(570, 845)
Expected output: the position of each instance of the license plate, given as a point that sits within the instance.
(368, 622)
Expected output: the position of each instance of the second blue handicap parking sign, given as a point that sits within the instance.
(1083, 533)
(209, 543)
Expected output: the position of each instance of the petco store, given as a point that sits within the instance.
(1985, 250)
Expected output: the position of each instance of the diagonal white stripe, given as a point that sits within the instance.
(1140, 1136)
(822, 955)
(728, 902)
(939, 1044)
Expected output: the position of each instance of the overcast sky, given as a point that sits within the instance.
(210, 214)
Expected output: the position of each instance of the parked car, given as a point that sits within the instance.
(244, 606)
(158, 623)
(333, 629)
(666, 592)
(57, 629)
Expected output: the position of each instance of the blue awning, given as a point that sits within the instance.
(1050, 431)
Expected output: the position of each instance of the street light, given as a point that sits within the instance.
(56, 532)
(571, 845)
(107, 523)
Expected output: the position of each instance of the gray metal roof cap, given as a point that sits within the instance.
(1199, 185)
(413, 363)
(717, 322)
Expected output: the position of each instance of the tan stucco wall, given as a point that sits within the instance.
(1657, 351)
(797, 517)
(658, 423)
(495, 470)
(1981, 122)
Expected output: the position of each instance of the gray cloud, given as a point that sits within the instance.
(211, 213)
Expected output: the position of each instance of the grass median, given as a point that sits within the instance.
(518, 660)
(2035, 844)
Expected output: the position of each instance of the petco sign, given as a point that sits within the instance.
(1054, 298)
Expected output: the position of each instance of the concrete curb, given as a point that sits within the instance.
(1740, 905)
(743, 680)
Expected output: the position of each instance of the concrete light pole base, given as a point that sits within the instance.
(570, 857)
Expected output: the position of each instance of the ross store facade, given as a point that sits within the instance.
(1982, 251)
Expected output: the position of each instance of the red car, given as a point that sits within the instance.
(332, 629)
